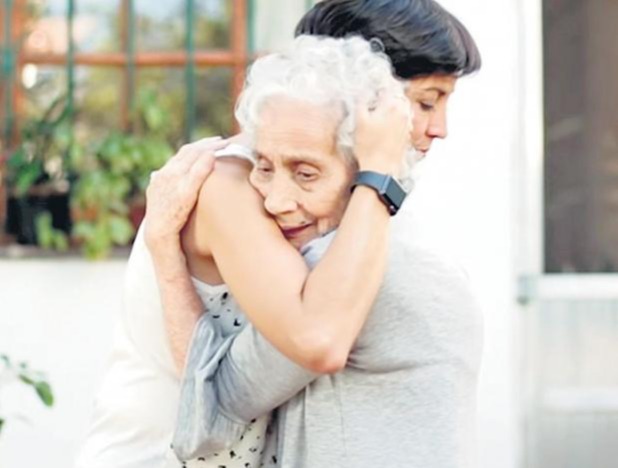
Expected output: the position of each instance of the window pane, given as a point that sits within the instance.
(571, 418)
(160, 25)
(169, 84)
(97, 100)
(97, 26)
(213, 102)
(46, 27)
(581, 147)
(42, 84)
(212, 24)
(4, 91)
(3, 12)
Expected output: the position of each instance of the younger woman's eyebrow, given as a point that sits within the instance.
(434, 90)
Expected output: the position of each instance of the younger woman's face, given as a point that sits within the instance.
(429, 98)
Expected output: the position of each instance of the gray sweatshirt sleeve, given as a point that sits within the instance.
(229, 381)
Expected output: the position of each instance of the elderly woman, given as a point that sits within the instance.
(403, 394)
(406, 395)
(299, 110)
(324, 80)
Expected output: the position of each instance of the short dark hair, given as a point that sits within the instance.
(419, 36)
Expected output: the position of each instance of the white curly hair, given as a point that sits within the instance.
(323, 70)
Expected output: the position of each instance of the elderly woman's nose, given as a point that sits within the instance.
(280, 198)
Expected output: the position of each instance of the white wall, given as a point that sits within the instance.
(466, 199)
(58, 316)
(275, 21)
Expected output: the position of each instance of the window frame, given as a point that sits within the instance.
(12, 96)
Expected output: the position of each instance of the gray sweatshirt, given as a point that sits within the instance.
(405, 399)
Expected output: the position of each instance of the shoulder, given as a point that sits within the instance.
(225, 198)
(425, 291)
(227, 188)
(409, 256)
(230, 210)
(420, 272)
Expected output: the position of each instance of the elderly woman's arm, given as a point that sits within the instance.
(230, 381)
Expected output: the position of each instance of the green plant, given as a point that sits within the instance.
(113, 177)
(47, 236)
(106, 179)
(43, 151)
(39, 167)
(21, 373)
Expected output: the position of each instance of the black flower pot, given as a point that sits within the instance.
(23, 211)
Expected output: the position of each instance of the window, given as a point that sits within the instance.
(581, 136)
(99, 56)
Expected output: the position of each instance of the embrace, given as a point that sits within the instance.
(276, 313)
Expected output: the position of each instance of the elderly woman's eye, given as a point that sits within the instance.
(306, 176)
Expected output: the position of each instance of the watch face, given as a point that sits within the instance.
(389, 190)
(395, 193)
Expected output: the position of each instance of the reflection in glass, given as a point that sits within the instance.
(214, 102)
(160, 25)
(46, 27)
(212, 24)
(48, 83)
(581, 136)
(4, 85)
(169, 84)
(97, 26)
(97, 100)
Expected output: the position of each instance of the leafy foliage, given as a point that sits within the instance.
(114, 176)
(106, 177)
(11, 372)
(49, 237)
(42, 156)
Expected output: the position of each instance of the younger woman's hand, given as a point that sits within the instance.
(383, 133)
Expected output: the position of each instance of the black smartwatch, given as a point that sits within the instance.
(388, 189)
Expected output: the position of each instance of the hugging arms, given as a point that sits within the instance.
(298, 190)
(303, 187)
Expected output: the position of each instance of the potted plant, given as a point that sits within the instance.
(38, 179)
(108, 195)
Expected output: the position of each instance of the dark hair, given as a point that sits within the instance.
(419, 36)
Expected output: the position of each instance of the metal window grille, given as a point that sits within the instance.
(191, 59)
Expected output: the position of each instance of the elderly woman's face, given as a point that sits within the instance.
(429, 97)
(299, 172)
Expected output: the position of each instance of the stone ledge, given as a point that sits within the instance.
(31, 252)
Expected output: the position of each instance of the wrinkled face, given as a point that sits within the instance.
(299, 172)
(429, 98)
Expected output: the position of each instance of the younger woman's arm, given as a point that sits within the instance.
(313, 318)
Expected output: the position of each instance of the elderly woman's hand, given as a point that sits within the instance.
(173, 191)
(383, 133)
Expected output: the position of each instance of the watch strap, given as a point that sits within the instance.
(390, 192)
